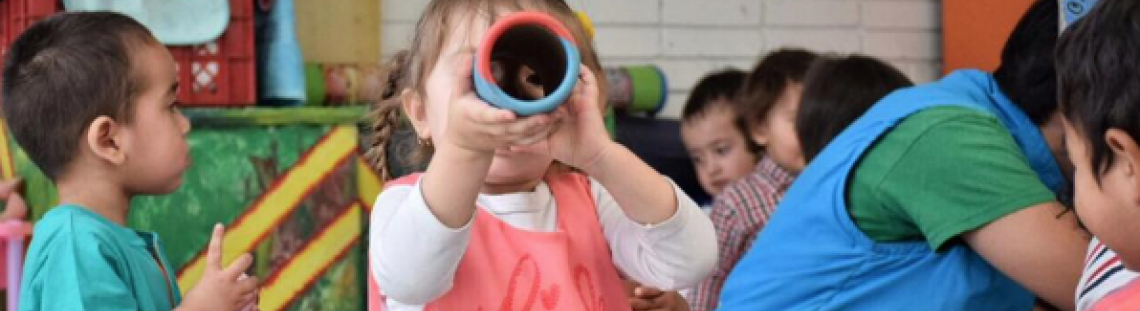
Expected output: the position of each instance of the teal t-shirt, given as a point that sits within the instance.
(81, 261)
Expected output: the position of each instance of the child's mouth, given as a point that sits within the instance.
(504, 151)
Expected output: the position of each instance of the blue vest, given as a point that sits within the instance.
(812, 256)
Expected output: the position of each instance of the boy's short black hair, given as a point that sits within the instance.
(1099, 74)
(837, 90)
(62, 73)
(723, 84)
(1027, 74)
(767, 81)
(720, 85)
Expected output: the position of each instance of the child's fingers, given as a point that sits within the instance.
(239, 266)
(587, 78)
(248, 286)
(663, 301)
(214, 250)
(249, 300)
(526, 143)
(517, 128)
(588, 83)
(463, 63)
(647, 292)
(628, 285)
(484, 113)
(560, 113)
(638, 304)
(585, 98)
(253, 300)
(529, 125)
(16, 207)
(8, 187)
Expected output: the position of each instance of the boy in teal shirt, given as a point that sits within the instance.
(91, 98)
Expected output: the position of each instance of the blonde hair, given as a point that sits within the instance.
(408, 69)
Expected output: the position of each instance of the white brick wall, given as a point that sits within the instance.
(710, 12)
(689, 38)
(812, 13)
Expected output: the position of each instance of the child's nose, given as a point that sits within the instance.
(714, 168)
(183, 123)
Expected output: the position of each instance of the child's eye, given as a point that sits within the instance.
(722, 149)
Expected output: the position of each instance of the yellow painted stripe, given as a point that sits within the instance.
(279, 202)
(7, 166)
(312, 261)
(368, 184)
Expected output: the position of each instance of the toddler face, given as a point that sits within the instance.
(157, 152)
(1111, 208)
(718, 148)
(778, 132)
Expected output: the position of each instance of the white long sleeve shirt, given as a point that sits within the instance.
(414, 256)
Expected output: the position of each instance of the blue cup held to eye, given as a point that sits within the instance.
(527, 63)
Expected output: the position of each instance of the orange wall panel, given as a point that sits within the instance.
(974, 32)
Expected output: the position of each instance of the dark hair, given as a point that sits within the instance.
(723, 84)
(837, 90)
(719, 85)
(62, 73)
(1026, 73)
(767, 81)
(1099, 78)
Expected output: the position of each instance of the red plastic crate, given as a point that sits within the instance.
(220, 73)
(16, 15)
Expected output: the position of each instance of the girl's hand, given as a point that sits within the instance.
(581, 138)
(475, 125)
(644, 298)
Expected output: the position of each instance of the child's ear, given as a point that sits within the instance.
(758, 133)
(416, 110)
(1127, 154)
(105, 138)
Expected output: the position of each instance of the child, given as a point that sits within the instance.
(942, 196)
(837, 90)
(716, 139)
(714, 134)
(497, 221)
(768, 104)
(1100, 98)
(90, 97)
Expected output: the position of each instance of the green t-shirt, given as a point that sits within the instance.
(941, 172)
(79, 260)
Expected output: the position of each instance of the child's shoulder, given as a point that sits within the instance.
(763, 181)
(74, 224)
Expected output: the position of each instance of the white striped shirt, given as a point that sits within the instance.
(1103, 274)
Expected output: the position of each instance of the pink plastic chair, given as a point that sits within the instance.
(13, 231)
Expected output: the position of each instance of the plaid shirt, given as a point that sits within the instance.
(739, 213)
